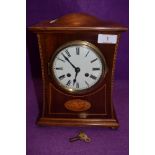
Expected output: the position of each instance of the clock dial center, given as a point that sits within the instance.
(77, 69)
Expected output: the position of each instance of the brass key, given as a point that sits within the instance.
(81, 136)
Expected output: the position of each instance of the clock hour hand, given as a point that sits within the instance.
(77, 70)
(75, 78)
(68, 61)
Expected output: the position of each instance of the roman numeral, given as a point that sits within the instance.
(95, 69)
(87, 54)
(68, 83)
(67, 53)
(59, 68)
(61, 60)
(77, 85)
(77, 50)
(61, 77)
(87, 83)
(93, 60)
(93, 77)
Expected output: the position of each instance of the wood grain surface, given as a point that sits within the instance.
(51, 35)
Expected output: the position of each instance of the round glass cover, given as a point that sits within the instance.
(78, 66)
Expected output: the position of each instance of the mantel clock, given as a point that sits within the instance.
(78, 54)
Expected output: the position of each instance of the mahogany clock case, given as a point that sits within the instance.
(67, 29)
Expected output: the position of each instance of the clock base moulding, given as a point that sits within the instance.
(110, 123)
(113, 123)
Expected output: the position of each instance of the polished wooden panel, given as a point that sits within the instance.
(50, 37)
(77, 105)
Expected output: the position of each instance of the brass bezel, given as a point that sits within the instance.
(77, 43)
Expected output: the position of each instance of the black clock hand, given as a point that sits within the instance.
(77, 70)
(68, 61)
(75, 78)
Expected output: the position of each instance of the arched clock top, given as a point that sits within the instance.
(77, 21)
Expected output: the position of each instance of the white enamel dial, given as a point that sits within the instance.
(77, 67)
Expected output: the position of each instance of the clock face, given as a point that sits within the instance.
(78, 67)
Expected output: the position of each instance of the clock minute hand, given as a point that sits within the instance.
(68, 61)
(77, 69)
